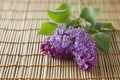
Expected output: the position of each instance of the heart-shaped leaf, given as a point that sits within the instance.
(90, 14)
(47, 28)
(62, 13)
(102, 41)
(100, 25)
(60, 16)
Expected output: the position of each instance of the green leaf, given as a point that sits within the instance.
(47, 28)
(62, 13)
(74, 23)
(90, 14)
(102, 41)
(109, 26)
(92, 31)
(100, 25)
(60, 16)
(67, 6)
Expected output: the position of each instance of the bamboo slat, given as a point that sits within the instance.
(20, 57)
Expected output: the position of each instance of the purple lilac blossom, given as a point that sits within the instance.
(58, 45)
(85, 54)
(71, 43)
(84, 49)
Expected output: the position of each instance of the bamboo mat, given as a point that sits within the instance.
(20, 57)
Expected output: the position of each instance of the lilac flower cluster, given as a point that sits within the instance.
(58, 45)
(71, 43)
